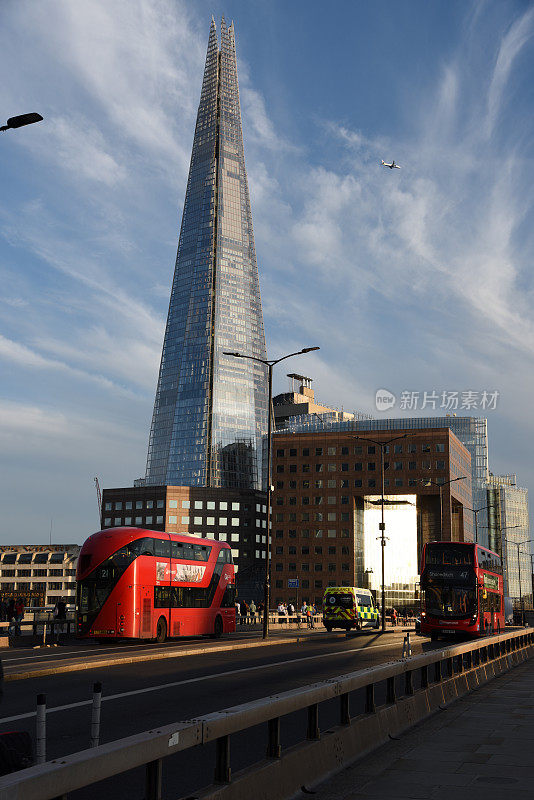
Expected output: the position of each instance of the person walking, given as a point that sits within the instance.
(394, 616)
(309, 615)
(60, 617)
(252, 609)
(18, 616)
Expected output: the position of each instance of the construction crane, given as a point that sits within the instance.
(99, 498)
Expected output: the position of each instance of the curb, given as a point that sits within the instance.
(133, 659)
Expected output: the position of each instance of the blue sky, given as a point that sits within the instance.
(417, 279)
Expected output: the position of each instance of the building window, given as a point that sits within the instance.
(358, 483)
(318, 451)
(345, 567)
(159, 520)
(344, 451)
(172, 519)
(331, 516)
(280, 468)
(398, 482)
(358, 466)
(118, 506)
(292, 467)
(345, 550)
(440, 448)
(150, 504)
(331, 551)
(305, 451)
(344, 483)
(107, 521)
(397, 448)
(223, 521)
(318, 484)
(117, 521)
(358, 450)
(331, 500)
(332, 468)
(279, 485)
(412, 465)
(440, 465)
(174, 503)
(305, 484)
(412, 448)
(107, 506)
(318, 500)
(139, 504)
(398, 465)
(345, 533)
(318, 550)
(279, 584)
(185, 520)
(278, 535)
(371, 466)
(331, 568)
(386, 481)
(305, 568)
(292, 501)
(371, 450)
(280, 453)
(318, 467)
(426, 465)
(305, 550)
(344, 500)
(279, 551)
(344, 516)
(318, 585)
(279, 567)
(318, 567)
(344, 468)
(197, 521)
(128, 521)
(425, 448)
(292, 567)
(292, 452)
(148, 521)
(305, 467)
(318, 516)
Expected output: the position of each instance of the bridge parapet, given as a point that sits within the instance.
(412, 688)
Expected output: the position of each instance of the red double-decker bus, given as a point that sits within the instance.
(141, 584)
(462, 587)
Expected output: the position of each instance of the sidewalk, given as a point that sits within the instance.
(477, 746)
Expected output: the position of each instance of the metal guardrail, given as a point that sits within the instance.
(149, 749)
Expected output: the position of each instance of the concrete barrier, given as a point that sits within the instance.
(442, 675)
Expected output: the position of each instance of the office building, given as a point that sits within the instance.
(471, 431)
(210, 410)
(236, 516)
(301, 401)
(509, 534)
(326, 508)
(40, 574)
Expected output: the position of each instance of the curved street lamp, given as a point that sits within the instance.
(269, 363)
(20, 121)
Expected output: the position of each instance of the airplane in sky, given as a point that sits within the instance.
(391, 166)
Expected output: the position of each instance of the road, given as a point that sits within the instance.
(143, 696)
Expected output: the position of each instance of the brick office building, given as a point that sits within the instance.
(326, 509)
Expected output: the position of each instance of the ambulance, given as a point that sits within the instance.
(349, 607)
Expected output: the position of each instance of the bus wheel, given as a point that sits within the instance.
(161, 630)
(218, 629)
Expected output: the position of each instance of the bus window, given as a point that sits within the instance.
(161, 548)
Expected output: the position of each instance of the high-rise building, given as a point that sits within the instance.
(471, 431)
(210, 411)
(509, 535)
(327, 509)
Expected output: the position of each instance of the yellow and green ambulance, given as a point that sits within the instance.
(349, 607)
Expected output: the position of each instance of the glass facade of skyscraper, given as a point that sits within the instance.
(509, 535)
(210, 411)
(471, 431)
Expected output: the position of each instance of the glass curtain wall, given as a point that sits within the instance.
(210, 411)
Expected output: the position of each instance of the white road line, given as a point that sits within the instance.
(213, 676)
(54, 653)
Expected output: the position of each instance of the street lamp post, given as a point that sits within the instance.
(382, 524)
(430, 482)
(20, 121)
(269, 363)
(475, 513)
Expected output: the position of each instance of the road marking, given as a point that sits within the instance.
(213, 676)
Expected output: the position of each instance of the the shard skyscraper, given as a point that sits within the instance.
(210, 411)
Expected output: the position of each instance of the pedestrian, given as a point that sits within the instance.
(244, 608)
(394, 617)
(18, 616)
(281, 612)
(291, 610)
(237, 608)
(60, 617)
(309, 615)
(252, 609)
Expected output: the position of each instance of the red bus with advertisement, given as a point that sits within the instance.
(140, 584)
(462, 589)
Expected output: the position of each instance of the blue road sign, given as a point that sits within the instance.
(293, 583)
